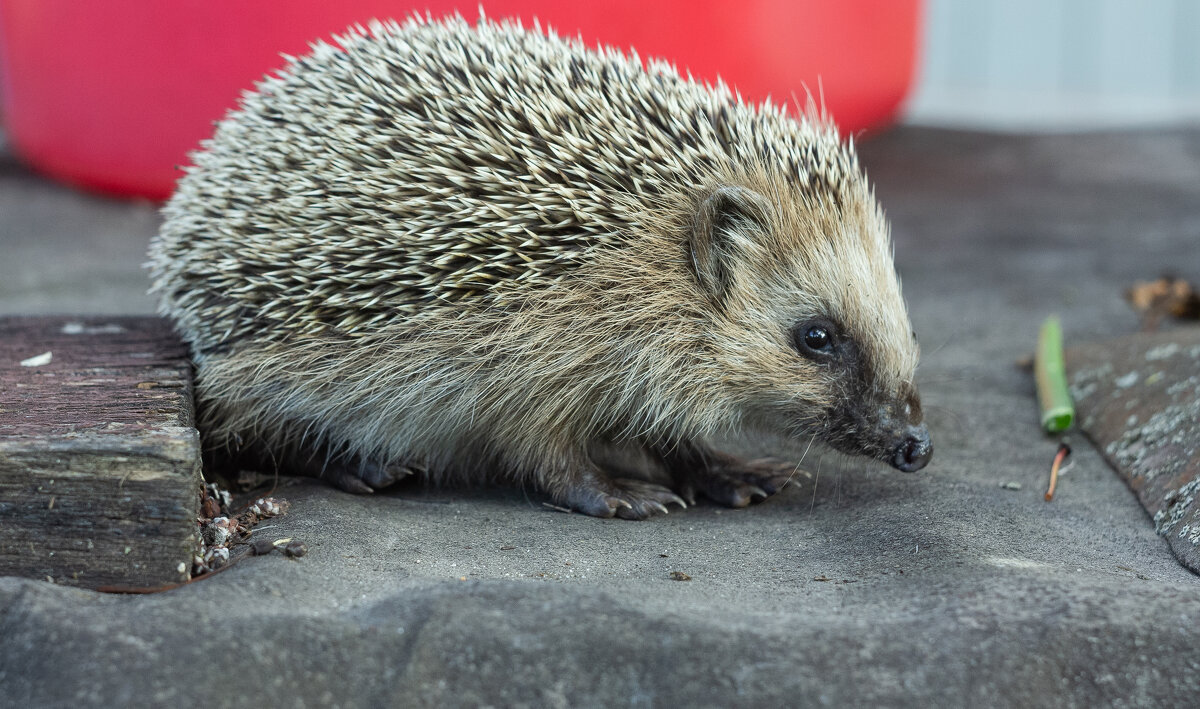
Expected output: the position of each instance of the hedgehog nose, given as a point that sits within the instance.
(914, 451)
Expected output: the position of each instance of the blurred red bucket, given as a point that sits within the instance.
(112, 95)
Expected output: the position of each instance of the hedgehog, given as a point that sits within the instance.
(479, 252)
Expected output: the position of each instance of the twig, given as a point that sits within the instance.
(1064, 450)
(170, 586)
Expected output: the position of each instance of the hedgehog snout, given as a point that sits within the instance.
(914, 450)
(912, 447)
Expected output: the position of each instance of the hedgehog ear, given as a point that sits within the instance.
(720, 233)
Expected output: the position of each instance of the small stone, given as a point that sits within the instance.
(680, 576)
(1126, 381)
(1163, 351)
(209, 508)
(38, 360)
(269, 507)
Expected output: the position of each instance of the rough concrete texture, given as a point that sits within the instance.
(1138, 399)
(857, 586)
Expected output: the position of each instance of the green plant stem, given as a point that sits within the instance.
(1050, 373)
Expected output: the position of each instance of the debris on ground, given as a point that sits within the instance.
(221, 530)
(38, 360)
(1165, 297)
(1057, 410)
(1064, 450)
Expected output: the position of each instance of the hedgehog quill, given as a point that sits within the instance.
(476, 252)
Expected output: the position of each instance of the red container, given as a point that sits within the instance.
(112, 95)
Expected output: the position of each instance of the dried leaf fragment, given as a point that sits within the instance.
(1167, 296)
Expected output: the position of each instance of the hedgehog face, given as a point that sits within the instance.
(837, 358)
(862, 411)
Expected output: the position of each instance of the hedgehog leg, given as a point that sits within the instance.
(727, 480)
(350, 473)
(591, 491)
(363, 475)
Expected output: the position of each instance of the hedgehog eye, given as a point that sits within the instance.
(814, 339)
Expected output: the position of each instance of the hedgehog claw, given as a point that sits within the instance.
(347, 482)
(772, 475)
(364, 478)
(380, 476)
(646, 498)
(629, 513)
(623, 497)
(732, 482)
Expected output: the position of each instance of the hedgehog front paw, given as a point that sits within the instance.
(622, 497)
(364, 477)
(735, 483)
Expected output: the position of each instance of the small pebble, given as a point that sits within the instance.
(38, 360)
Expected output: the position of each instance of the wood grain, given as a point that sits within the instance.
(99, 457)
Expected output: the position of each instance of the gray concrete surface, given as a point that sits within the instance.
(63, 251)
(858, 586)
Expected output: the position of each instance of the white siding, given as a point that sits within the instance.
(1022, 64)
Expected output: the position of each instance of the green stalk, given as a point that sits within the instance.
(1051, 376)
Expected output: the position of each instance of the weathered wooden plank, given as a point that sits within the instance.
(99, 457)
